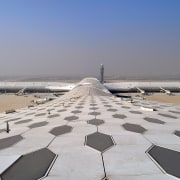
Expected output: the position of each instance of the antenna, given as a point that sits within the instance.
(102, 74)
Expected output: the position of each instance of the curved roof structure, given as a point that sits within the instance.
(90, 134)
(88, 87)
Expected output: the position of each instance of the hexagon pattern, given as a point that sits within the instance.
(119, 116)
(177, 133)
(99, 141)
(168, 159)
(134, 128)
(95, 122)
(154, 120)
(30, 166)
(10, 141)
(61, 130)
(72, 130)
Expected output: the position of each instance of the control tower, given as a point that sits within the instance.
(102, 74)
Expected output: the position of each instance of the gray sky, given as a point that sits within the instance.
(69, 38)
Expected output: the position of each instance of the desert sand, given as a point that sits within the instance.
(14, 102)
(164, 98)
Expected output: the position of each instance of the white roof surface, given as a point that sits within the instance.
(94, 134)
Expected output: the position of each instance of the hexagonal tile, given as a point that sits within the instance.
(99, 141)
(93, 108)
(125, 107)
(134, 128)
(154, 120)
(177, 133)
(30, 166)
(135, 112)
(23, 121)
(61, 110)
(167, 115)
(94, 113)
(93, 104)
(61, 130)
(80, 104)
(71, 118)
(107, 106)
(95, 122)
(76, 111)
(175, 112)
(13, 119)
(40, 114)
(119, 103)
(50, 109)
(168, 159)
(112, 110)
(78, 107)
(8, 142)
(39, 124)
(53, 115)
(119, 116)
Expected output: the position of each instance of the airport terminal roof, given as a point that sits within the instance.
(89, 134)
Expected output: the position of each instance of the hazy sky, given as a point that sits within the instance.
(73, 37)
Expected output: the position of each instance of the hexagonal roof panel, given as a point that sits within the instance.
(113, 110)
(99, 141)
(135, 112)
(23, 121)
(119, 116)
(107, 106)
(177, 133)
(168, 159)
(175, 112)
(39, 124)
(93, 108)
(53, 115)
(71, 118)
(167, 115)
(76, 111)
(10, 141)
(78, 107)
(94, 113)
(30, 166)
(61, 110)
(95, 122)
(61, 130)
(154, 120)
(14, 119)
(134, 128)
(40, 114)
(125, 107)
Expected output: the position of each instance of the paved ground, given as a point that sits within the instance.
(90, 134)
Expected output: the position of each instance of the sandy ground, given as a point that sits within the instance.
(14, 102)
(160, 97)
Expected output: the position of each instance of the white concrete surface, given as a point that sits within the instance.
(126, 160)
